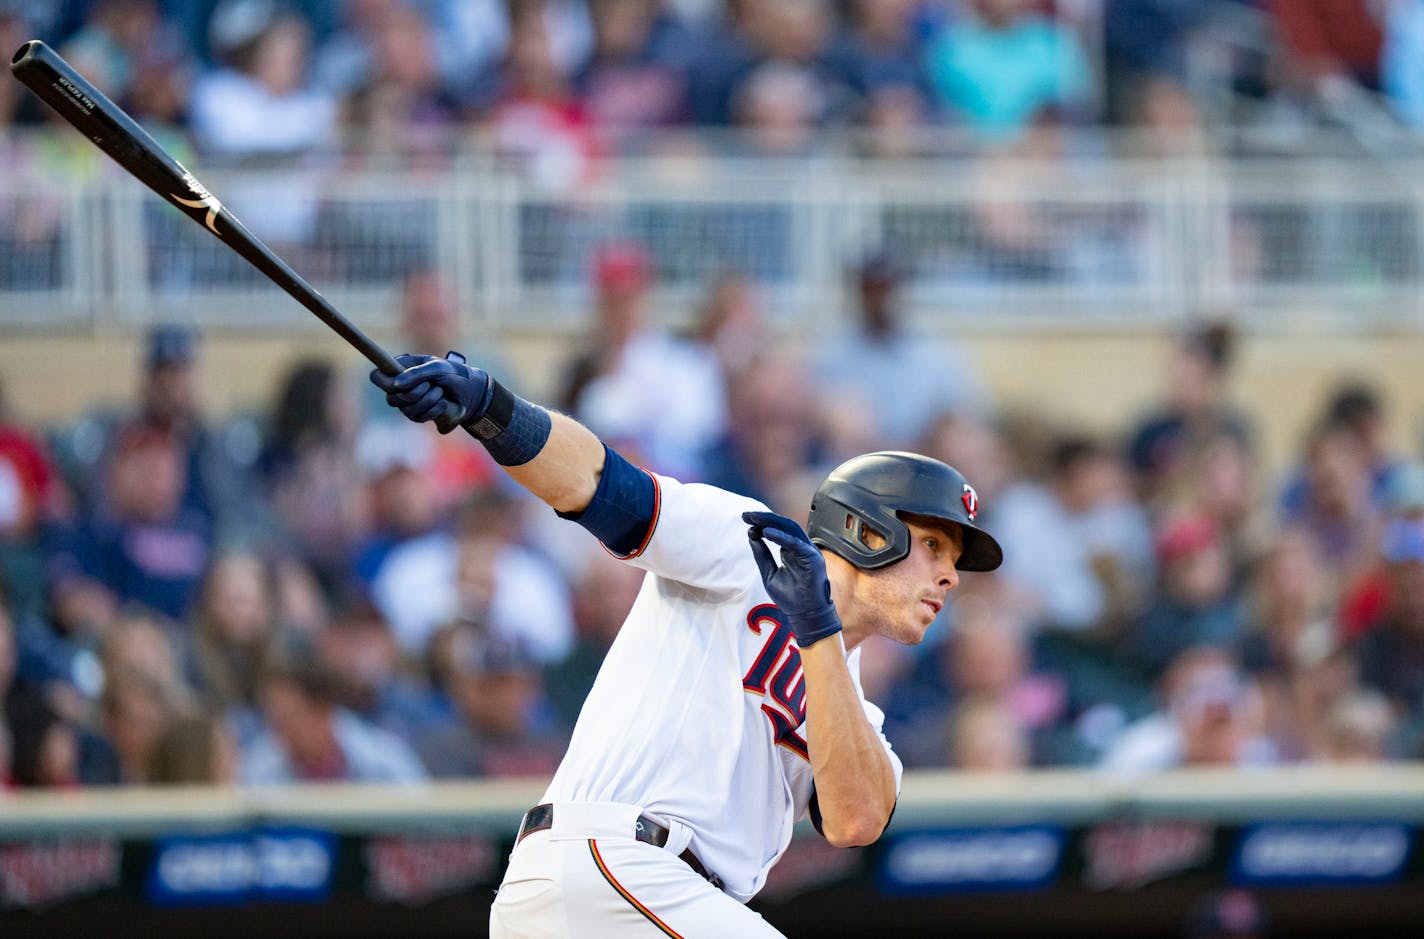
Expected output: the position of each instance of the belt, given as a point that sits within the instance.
(541, 818)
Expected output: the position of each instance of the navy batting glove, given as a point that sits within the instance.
(799, 587)
(431, 388)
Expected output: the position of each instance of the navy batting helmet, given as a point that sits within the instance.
(870, 491)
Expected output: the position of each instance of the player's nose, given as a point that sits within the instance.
(948, 578)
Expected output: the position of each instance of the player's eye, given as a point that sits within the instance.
(932, 543)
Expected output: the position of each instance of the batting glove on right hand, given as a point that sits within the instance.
(799, 587)
(431, 388)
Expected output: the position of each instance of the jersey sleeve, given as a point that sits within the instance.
(698, 537)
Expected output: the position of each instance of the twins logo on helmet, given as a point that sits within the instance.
(971, 501)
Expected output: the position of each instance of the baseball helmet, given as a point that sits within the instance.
(871, 491)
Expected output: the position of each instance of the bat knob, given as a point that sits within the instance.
(450, 418)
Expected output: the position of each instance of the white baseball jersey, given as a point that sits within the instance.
(697, 712)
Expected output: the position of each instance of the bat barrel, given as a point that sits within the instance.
(74, 98)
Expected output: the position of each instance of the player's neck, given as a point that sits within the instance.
(842, 576)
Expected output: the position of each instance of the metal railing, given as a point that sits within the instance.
(1077, 242)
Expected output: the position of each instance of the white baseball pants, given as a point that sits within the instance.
(588, 878)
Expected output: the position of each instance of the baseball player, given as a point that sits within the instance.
(729, 706)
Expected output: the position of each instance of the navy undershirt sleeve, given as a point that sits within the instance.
(621, 510)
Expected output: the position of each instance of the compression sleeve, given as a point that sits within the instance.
(623, 508)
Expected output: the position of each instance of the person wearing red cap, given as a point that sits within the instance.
(658, 397)
(1196, 603)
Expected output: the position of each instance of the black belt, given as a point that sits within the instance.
(541, 817)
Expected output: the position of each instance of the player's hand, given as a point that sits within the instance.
(431, 388)
(799, 587)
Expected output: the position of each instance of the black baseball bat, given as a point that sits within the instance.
(75, 99)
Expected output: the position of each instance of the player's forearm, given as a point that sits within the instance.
(565, 472)
(855, 782)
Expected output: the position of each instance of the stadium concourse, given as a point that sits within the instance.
(1153, 266)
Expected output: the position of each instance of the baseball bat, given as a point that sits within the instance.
(75, 99)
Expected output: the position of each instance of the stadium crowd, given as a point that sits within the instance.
(554, 83)
(320, 590)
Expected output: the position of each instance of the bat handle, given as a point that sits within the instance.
(450, 419)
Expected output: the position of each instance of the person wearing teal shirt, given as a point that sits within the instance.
(1005, 66)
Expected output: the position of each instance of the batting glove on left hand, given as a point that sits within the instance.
(799, 587)
(431, 388)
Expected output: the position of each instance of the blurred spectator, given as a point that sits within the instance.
(8, 687)
(602, 596)
(308, 460)
(361, 653)
(137, 710)
(140, 544)
(235, 632)
(1292, 648)
(777, 108)
(31, 495)
(397, 461)
(730, 324)
(503, 726)
(534, 120)
(431, 323)
(1147, 53)
(1196, 602)
(310, 738)
(1006, 67)
(1334, 499)
(976, 447)
(1209, 716)
(985, 658)
(348, 58)
(107, 46)
(725, 51)
(1195, 408)
(1330, 52)
(132, 52)
(13, 31)
(773, 443)
(146, 645)
(985, 737)
(780, 46)
(49, 750)
(402, 110)
(1078, 547)
(1361, 728)
(481, 573)
(1230, 914)
(879, 57)
(1365, 598)
(637, 74)
(606, 385)
(260, 102)
(218, 459)
(194, 750)
(1391, 653)
(1402, 61)
(1356, 407)
(259, 107)
(884, 351)
(1220, 476)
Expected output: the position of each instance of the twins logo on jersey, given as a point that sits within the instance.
(776, 675)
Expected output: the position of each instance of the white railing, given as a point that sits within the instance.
(1080, 242)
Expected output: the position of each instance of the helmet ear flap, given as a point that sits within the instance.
(870, 535)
